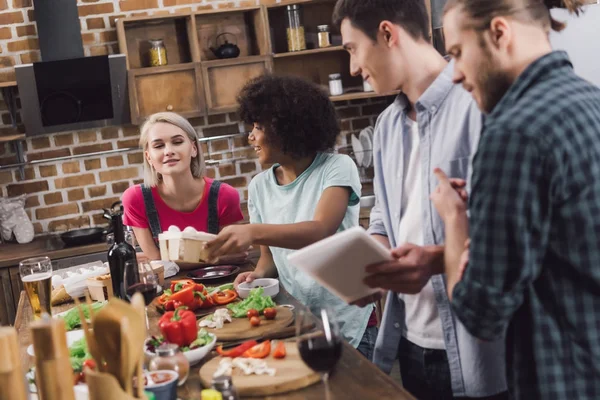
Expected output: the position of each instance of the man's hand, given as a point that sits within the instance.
(449, 197)
(232, 239)
(365, 301)
(410, 270)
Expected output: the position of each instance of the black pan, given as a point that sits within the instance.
(78, 237)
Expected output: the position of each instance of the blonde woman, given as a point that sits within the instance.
(175, 190)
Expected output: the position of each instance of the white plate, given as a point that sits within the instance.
(193, 356)
(72, 337)
(358, 151)
(367, 146)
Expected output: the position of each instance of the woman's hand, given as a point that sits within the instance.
(231, 240)
(246, 277)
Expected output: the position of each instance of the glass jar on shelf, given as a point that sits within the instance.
(324, 39)
(296, 38)
(157, 53)
(335, 85)
(169, 357)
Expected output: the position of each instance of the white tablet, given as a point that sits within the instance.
(339, 261)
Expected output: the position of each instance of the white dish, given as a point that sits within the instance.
(193, 356)
(72, 337)
(338, 262)
(358, 150)
(269, 285)
(367, 146)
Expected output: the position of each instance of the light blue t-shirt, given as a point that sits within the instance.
(271, 203)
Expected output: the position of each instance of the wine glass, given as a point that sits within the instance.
(319, 350)
(140, 278)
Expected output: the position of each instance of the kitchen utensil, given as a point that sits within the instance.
(240, 328)
(211, 273)
(80, 237)
(269, 285)
(138, 303)
(12, 385)
(357, 149)
(291, 374)
(90, 338)
(103, 386)
(225, 50)
(52, 359)
(284, 333)
(367, 145)
(72, 337)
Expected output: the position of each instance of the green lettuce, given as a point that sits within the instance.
(255, 300)
(78, 353)
(72, 319)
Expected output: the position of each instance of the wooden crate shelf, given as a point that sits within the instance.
(309, 52)
(358, 95)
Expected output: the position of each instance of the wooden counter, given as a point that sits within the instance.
(354, 377)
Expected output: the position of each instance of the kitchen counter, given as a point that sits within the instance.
(12, 253)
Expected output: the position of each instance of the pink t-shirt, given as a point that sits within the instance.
(228, 208)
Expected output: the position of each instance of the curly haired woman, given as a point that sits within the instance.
(308, 193)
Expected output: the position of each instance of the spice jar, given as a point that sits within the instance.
(169, 357)
(295, 28)
(157, 53)
(324, 40)
(335, 85)
(224, 385)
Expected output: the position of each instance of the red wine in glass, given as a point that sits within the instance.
(320, 354)
(147, 290)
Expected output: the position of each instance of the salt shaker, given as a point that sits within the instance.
(335, 85)
(224, 385)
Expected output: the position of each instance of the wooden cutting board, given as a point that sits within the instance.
(240, 328)
(291, 374)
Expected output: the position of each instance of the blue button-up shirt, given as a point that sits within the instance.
(449, 129)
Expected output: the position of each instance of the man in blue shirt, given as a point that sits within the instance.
(431, 124)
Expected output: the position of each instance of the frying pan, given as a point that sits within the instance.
(78, 237)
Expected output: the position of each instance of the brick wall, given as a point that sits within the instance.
(70, 194)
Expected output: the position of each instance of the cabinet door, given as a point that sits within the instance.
(16, 285)
(7, 304)
(178, 89)
(223, 80)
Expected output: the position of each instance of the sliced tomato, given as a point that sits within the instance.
(236, 351)
(279, 351)
(224, 297)
(261, 350)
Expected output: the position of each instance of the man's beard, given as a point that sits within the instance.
(492, 82)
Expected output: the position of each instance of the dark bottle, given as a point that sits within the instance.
(118, 255)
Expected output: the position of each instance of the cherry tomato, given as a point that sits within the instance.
(91, 364)
(255, 321)
(270, 313)
(252, 313)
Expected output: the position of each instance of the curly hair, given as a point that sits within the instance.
(297, 115)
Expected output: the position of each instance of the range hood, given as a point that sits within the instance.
(67, 91)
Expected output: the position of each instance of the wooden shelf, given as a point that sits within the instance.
(233, 61)
(12, 137)
(8, 84)
(285, 3)
(361, 95)
(162, 68)
(309, 52)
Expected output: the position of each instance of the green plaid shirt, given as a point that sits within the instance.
(534, 270)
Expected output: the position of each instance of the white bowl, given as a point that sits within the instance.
(193, 356)
(269, 285)
(72, 337)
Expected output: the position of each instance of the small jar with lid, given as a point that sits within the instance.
(324, 38)
(224, 385)
(295, 28)
(157, 53)
(169, 357)
(335, 85)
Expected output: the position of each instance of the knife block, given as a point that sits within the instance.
(105, 387)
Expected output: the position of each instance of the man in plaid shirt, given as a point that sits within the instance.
(533, 269)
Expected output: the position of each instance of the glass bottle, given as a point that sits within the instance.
(157, 53)
(169, 357)
(224, 385)
(335, 85)
(324, 40)
(120, 253)
(295, 28)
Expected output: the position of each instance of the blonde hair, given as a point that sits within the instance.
(153, 178)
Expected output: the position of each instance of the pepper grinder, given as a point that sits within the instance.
(12, 382)
(52, 365)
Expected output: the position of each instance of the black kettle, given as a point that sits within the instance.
(226, 50)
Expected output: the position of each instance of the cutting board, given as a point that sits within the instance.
(291, 374)
(240, 328)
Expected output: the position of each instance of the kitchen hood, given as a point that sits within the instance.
(67, 91)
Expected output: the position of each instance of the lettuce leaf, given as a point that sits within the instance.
(255, 300)
(72, 319)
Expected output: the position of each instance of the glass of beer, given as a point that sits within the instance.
(36, 275)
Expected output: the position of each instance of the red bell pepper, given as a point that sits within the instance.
(224, 297)
(279, 351)
(236, 351)
(179, 327)
(261, 350)
(179, 284)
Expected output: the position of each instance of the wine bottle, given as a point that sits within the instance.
(118, 255)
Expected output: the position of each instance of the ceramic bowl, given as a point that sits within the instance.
(166, 390)
(193, 356)
(269, 285)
